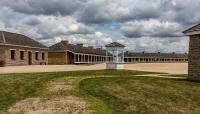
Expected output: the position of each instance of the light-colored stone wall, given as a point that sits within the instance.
(194, 58)
(58, 58)
(18, 61)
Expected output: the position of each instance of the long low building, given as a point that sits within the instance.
(155, 57)
(66, 53)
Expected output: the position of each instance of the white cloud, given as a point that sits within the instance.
(97, 39)
(152, 27)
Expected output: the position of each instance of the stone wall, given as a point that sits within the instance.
(18, 61)
(2, 53)
(57, 58)
(194, 58)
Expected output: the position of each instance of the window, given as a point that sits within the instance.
(43, 56)
(21, 55)
(12, 55)
(36, 55)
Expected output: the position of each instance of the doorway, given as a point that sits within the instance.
(29, 58)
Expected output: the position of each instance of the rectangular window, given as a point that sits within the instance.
(36, 55)
(43, 56)
(12, 55)
(21, 55)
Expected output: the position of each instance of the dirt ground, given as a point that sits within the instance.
(171, 68)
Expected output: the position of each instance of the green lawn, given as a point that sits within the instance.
(108, 91)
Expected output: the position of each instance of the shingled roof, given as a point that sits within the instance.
(8, 38)
(193, 30)
(156, 55)
(115, 44)
(64, 46)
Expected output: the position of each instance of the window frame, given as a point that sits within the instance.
(37, 55)
(43, 56)
(22, 56)
(13, 55)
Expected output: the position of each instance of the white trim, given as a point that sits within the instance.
(13, 49)
(192, 33)
(22, 46)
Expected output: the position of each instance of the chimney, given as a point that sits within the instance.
(91, 47)
(65, 42)
(99, 49)
(158, 52)
(80, 45)
(173, 53)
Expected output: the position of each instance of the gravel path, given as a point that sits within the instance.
(171, 68)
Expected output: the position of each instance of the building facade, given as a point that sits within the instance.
(194, 52)
(131, 57)
(17, 49)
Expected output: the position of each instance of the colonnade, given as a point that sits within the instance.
(133, 59)
(89, 58)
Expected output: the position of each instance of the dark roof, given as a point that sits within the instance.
(195, 28)
(18, 39)
(115, 44)
(65, 46)
(156, 55)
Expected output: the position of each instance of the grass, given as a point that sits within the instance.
(144, 95)
(15, 87)
(108, 91)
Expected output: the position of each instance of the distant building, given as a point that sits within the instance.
(66, 53)
(17, 49)
(194, 52)
(155, 57)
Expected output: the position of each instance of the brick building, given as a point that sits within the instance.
(17, 49)
(194, 52)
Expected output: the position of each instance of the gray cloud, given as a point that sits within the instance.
(47, 7)
(102, 11)
(157, 21)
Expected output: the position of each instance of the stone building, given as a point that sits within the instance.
(18, 49)
(155, 57)
(194, 52)
(66, 53)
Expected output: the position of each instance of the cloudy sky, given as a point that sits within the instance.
(141, 25)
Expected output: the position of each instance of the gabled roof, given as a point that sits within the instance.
(64, 46)
(156, 55)
(193, 30)
(8, 38)
(115, 44)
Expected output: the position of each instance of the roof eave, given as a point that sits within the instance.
(3, 44)
(191, 33)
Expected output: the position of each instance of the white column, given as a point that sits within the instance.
(74, 58)
(106, 56)
(78, 58)
(83, 58)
